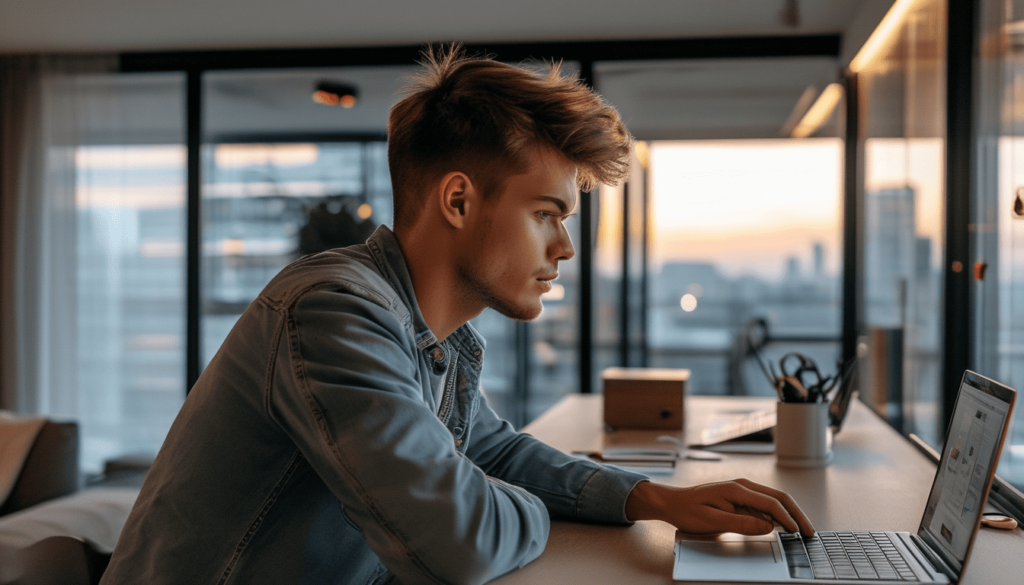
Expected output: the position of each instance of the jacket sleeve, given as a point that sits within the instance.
(346, 391)
(570, 487)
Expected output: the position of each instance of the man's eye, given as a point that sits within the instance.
(546, 215)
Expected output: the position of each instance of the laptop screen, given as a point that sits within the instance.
(965, 471)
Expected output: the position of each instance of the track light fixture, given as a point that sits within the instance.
(334, 93)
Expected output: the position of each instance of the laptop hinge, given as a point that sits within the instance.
(935, 560)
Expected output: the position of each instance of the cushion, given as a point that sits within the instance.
(50, 469)
(96, 515)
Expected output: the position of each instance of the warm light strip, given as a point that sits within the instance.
(643, 154)
(882, 35)
(819, 113)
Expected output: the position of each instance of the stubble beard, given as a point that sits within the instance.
(471, 287)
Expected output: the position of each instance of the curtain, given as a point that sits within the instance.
(92, 166)
(19, 177)
(42, 119)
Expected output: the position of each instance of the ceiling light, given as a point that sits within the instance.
(882, 36)
(334, 93)
(799, 110)
(643, 154)
(820, 112)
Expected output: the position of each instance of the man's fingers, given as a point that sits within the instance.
(803, 522)
(740, 522)
(776, 504)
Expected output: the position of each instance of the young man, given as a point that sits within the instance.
(340, 436)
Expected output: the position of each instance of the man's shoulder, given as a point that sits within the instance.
(350, 270)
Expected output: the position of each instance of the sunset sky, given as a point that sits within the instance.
(748, 205)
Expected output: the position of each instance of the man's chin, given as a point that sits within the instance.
(520, 312)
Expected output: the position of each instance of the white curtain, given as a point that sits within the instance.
(40, 128)
(91, 246)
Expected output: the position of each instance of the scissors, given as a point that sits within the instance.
(805, 383)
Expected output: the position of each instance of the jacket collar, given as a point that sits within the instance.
(384, 248)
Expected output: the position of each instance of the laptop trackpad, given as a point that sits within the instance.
(729, 558)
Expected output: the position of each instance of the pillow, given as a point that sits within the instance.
(50, 466)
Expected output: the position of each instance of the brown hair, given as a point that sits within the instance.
(481, 117)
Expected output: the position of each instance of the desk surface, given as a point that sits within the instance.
(877, 481)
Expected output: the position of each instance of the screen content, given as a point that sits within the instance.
(971, 450)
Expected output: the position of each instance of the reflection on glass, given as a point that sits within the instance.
(131, 297)
(903, 111)
(998, 296)
(608, 203)
(266, 204)
(743, 229)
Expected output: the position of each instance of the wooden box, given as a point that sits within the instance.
(644, 398)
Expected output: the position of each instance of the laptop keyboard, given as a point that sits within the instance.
(854, 555)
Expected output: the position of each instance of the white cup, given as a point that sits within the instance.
(802, 435)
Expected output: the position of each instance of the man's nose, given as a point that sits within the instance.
(563, 248)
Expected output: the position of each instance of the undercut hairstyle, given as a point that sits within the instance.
(481, 117)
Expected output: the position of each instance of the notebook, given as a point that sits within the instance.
(936, 554)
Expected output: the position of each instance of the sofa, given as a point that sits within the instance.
(53, 527)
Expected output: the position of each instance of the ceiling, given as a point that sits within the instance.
(144, 25)
(738, 98)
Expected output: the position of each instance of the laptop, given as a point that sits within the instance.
(936, 554)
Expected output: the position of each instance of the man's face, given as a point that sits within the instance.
(520, 237)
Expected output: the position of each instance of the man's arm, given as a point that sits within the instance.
(570, 487)
(579, 489)
(346, 392)
(740, 506)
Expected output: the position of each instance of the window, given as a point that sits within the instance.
(904, 112)
(743, 222)
(264, 205)
(130, 297)
(997, 240)
(742, 230)
(110, 267)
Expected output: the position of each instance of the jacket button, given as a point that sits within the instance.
(438, 354)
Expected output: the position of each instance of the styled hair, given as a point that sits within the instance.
(481, 117)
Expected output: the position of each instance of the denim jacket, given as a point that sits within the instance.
(320, 446)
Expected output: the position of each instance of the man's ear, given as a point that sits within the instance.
(459, 198)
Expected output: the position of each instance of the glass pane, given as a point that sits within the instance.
(284, 176)
(724, 252)
(903, 110)
(130, 300)
(739, 227)
(998, 214)
(607, 274)
(620, 277)
(265, 205)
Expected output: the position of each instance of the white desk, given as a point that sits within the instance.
(877, 481)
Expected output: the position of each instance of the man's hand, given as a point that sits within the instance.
(740, 506)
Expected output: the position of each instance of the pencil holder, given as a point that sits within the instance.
(802, 435)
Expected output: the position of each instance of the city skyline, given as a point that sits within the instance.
(747, 205)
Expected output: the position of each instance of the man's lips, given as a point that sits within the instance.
(545, 280)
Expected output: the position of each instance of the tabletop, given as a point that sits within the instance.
(877, 481)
